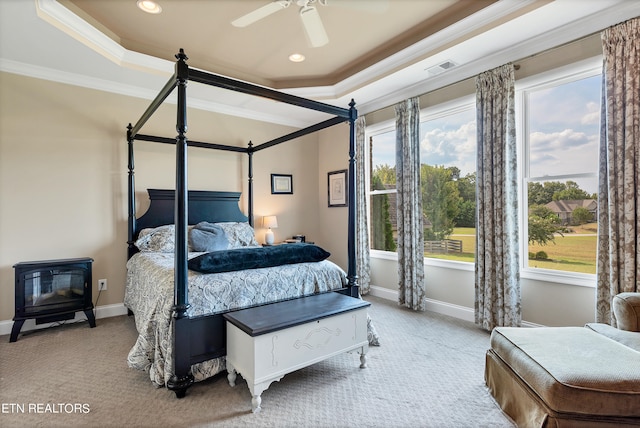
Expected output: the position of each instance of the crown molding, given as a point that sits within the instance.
(83, 81)
(580, 28)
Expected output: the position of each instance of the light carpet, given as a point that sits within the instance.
(428, 372)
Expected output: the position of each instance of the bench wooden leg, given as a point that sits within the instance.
(231, 374)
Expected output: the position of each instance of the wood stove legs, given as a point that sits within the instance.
(15, 331)
(90, 317)
(17, 324)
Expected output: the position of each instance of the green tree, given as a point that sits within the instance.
(540, 194)
(381, 227)
(467, 211)
(581, 215)
(386, 174)
(543, 225)
(570, 192)
(440, 200)
(543, 193)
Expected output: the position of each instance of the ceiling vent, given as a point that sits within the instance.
(440, 68)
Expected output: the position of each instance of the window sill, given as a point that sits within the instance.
(449, 264)
(544, 275)
(565, 278)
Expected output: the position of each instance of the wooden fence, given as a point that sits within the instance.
(444, 246)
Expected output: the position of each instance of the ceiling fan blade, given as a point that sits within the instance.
(261, 13)
(313, 26)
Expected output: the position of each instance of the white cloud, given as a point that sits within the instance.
(456, 147)
(592, 116)
(560, 153)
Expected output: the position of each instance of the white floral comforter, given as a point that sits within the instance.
(149, 294)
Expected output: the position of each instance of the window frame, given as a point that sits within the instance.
(372, 131)
(579, 70)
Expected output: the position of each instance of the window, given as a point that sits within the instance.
(558, 116)
(448, 181)
(382, 190)
(560, 134)
(447, 156)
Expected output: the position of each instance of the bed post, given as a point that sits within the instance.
(250, 202)
(352, 274)
(182, 378)
(131, 189)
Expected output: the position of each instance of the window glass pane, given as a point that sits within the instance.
(383, 222)
(382, 203)
(448, 181)
(383, 160)
(564, 124)
(562, 184)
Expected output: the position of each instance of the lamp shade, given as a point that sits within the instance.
(270, 221)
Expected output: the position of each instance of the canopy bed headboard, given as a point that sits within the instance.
(183, 207)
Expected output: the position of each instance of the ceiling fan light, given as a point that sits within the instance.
(313, 26)
(149, 6)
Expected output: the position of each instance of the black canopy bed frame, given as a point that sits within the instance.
(201, 338)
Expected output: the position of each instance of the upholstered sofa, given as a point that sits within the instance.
(569, 376)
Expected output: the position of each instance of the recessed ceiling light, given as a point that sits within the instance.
(149, 6)
(296, 57)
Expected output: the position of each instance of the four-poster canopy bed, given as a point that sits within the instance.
(182, 335)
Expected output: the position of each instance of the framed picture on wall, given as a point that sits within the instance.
(337, 188)
(281, 184)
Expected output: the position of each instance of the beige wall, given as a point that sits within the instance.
(63, 175)
(333, 155)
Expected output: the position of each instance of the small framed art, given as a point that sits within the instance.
(281, 184)
(337, 188)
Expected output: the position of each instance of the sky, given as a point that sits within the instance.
(563, 135)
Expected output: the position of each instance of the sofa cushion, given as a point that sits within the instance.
(573, 369)
(626, 307)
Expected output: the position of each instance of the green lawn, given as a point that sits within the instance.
(573, 252)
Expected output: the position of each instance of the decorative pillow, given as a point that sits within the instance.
(158, 239)
(254, 258)
(239, 234)
(208, 237)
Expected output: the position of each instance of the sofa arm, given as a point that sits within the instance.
(630, 339)
(626, 308)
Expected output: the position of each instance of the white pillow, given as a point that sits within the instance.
(239, 234)
(159, 239)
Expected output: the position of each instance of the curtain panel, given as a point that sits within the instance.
(618, 265)
(409, 206)
(363, 262)
(497, 269)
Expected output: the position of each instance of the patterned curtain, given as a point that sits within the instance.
(618, 201)
(497, 271)
(362, 229)
(409, 206)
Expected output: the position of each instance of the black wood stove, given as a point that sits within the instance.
(52, 290)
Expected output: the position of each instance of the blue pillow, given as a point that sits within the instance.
(256, 257)
(208, 237)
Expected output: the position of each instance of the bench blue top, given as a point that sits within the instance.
(289, 313)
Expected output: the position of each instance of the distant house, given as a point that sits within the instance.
(565, 208)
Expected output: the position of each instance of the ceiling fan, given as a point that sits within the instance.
(308, 15)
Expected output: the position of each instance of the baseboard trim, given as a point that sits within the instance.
(437, 306)
(104, 311)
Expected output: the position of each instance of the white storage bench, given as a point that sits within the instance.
(266, 342)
